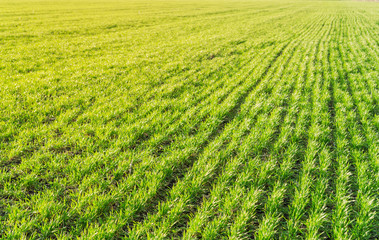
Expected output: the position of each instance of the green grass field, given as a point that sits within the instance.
(213, 119)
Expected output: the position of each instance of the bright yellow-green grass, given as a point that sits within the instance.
(189, 119)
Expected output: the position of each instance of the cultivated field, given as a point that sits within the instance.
(189, 119)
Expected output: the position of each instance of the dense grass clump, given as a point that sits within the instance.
(189, 119)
